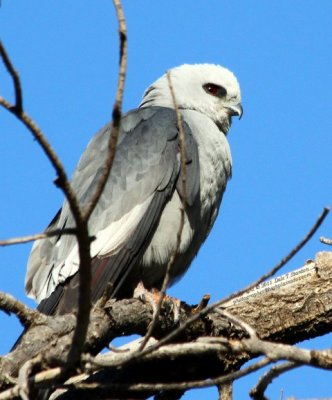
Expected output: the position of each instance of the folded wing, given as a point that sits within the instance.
(144, 175)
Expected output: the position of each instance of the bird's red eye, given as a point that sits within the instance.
(215, 90)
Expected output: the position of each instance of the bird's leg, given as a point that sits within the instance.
(153, 297)
(147, 296)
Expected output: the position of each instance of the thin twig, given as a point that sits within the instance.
(188, 385)
(139, 387)
(285, 260)
(17, 109)
(116, 113)
(62, 182)
(183, 176)
(24, 374)
(81, 218)
(182, 141)
(82, 233)
(257, 393)
(41, 377)
(62, 179)
(253, 346)
(84, 303)
(11, 393)
(15, 77)
(281, 394)
(38, 236)
(232, 376)
(326, 240)
(238, 321)
(25, 314)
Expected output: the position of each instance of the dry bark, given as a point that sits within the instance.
(282, 314)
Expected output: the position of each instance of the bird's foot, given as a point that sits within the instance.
(153, 297)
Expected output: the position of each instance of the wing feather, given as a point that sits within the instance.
(144, 175)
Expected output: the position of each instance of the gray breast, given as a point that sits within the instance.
(214, 171)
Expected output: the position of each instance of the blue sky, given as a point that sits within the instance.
(67, 55)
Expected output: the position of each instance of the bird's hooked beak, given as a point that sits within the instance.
(236, 110)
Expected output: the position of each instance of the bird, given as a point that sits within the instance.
(137, 218)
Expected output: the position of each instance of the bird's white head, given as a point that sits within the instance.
(207, 88)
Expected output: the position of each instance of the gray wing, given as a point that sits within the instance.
(144, 175)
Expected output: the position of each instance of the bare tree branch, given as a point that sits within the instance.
(254, 346)
(225, 391)
(23, 377)
(285, 260)
(238, 321)
(226, 339)
(116, 113)
(326, 241)
(183, 176)
(15, 77)
(41, 377)
(273, 271)
(25, 314)
(80, 217)
(157, 387)
(257, 393)
(84, 304)
(37, 236)
(62, 181)
(11, 393)
(182, 142)
(90, 388)
(214, 348)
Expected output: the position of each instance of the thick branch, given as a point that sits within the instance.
(228, 300)
(10, 305)
(284, 312)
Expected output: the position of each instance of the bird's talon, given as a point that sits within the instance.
(175, 309)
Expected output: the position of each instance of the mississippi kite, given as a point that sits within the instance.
(136, 220)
